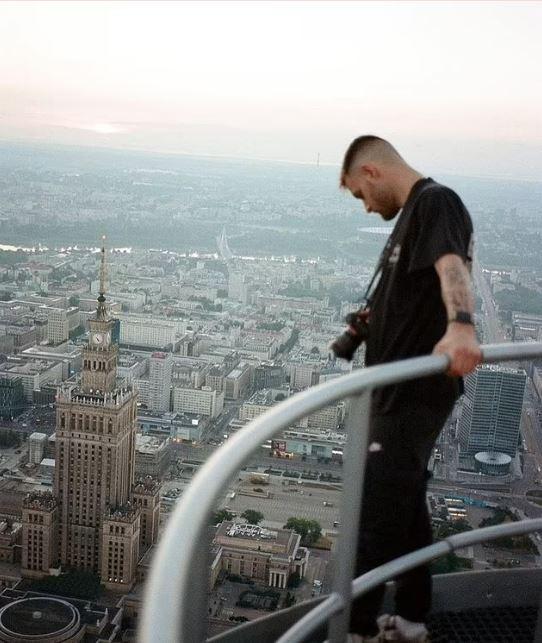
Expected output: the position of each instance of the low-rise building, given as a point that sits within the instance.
(250, 551)
(33, 373)
(10, 541)
(315, 444)
(60, 618)
(152, 455)
(180, 427)
(68, 354)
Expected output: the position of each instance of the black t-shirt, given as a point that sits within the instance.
(408, 316)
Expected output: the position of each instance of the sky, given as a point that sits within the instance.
(455, 85)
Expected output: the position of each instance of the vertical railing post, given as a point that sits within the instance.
(538, 628)
(194, 618)
(354, 459)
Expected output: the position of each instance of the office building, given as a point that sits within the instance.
(12, 400)
(492, 411)
(144, 331)
(159, 391)
(37, 443)
(60, 322)
(203, 401)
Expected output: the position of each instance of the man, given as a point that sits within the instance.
(423, 303)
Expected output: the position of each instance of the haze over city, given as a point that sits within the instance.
(454, 85)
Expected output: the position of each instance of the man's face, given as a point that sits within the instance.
(373, 191)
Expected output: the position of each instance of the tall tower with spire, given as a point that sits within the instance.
(100, 355)
(95, 461)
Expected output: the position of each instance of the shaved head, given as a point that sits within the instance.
(374, 172)
(369, 149)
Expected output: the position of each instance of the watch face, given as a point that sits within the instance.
(98, 339)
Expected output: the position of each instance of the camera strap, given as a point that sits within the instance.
(387, 251)
(375, 280)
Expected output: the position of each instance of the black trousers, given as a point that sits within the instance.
(394, 515)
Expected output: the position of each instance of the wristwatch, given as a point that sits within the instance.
(461, 317)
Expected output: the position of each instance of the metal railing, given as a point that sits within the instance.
(175, 599)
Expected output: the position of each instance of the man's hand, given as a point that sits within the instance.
(460, 344)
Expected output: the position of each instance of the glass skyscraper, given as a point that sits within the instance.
(492, 410)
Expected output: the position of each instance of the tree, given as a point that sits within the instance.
(77, 583)
(309, 530)
(79, 330)
(294, 580)
(9, 439)
(252, 516)
(220, 516)
(450, 563)
(445, 529)
(289, 600)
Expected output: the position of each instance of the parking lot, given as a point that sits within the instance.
(290, 500)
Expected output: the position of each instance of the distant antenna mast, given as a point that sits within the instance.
(318, 160)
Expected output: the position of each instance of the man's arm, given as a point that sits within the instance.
(459, 342)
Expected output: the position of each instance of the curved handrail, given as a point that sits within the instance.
(368, 581)
(179, 567)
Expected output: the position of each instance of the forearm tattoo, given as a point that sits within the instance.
(457, 290)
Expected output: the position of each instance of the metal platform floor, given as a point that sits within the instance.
(484, 625)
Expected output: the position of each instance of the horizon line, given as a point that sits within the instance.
(41, 143)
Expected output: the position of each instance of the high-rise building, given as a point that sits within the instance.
(303, 375)
(95, 452)
(237, 288)
(492, 410)
(57, 325)
(96, 520)
(159, 395)
(12, 402)
(36, 447)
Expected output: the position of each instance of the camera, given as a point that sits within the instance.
(357, 332)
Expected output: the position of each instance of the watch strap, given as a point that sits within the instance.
(461, 317)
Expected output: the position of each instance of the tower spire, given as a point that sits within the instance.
(101, 312)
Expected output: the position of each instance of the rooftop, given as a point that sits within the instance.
(278, 542)
(43, 500)
(122, 513)
(30, 367)
(150, 444)
(147, 485)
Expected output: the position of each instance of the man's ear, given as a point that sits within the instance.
(369, 171)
